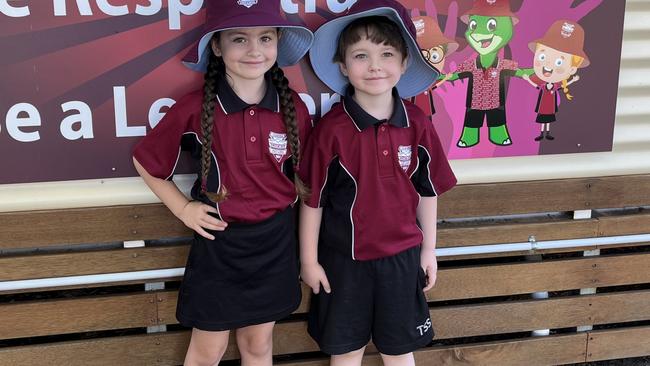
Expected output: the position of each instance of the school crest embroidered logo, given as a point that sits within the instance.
(567, 30)
(247, 3)
(277, 145)
(491, 2)
(404, 156)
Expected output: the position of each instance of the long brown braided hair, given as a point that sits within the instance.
(288, 109)
(216, 69)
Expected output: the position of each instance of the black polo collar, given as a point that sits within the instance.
(231, 103)
(363, 120)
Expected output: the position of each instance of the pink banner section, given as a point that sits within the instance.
(83, 80)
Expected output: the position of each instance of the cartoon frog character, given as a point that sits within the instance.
(490, 27)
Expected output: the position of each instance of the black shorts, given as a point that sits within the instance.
(248, 275)
(495, 117)
(545, 118)
(380, 299)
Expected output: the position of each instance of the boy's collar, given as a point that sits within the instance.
(363, 120)
(231, 103)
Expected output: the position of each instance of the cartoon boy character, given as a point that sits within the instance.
(435, 49)
(558, 56)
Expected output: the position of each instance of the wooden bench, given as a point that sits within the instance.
(481, 307)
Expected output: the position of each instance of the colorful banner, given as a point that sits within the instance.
(83, 80)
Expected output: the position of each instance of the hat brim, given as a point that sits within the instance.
(465, 17)
(419, 75)
(293, 44)
(533, 46)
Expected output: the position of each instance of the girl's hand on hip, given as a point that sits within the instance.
(430, 267)
(195, 216)
(314, 275)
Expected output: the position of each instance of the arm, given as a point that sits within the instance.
(311, 271)
(193, 214)
(521, 72)
(573, 80)
(427, 214)
(527, 78)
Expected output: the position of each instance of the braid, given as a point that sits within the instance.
(207, 125)
(565, 89)
(288, 109)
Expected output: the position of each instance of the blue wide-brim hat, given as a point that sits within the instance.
(295, 40)
(419, 73)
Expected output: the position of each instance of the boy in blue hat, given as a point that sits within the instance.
(375, 167)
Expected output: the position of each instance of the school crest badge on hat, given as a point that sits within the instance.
(567, 29)
(247, 3)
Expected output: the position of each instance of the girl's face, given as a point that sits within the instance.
(373, 69)
(553, 66)
(248, 53)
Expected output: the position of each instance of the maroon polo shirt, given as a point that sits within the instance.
(250, 151)
(368, 176)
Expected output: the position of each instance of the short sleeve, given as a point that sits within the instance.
(510, 65)
(535, 79)
(466, 66)
(305, 125)
(433, 175)
(159, 150)
(319, 154)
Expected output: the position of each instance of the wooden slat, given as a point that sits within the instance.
(618, 343)
(553, 350)
(169, 349)
(94, 262)
(89, 225)
(153, 221)
(624, 225)
(519, 316)
(515, 232)
(78, 315)
(557, 275)
(545, 196)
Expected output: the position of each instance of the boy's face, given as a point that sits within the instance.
(373, 69)
(551, 65)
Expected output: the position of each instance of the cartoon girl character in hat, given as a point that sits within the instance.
(558, 56)
(245, 130)
(435, 49)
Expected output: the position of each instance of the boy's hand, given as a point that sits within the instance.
(430, 267)
(314, 275)
(195, 216)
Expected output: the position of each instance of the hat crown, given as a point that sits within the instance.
(218, 11)
(493, 8)
(566, 36)
(361, 6)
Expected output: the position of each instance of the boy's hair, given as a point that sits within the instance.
(377, 29)
(217, 69)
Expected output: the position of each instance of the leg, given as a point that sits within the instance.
(206, 348)
(471, 128)
(255, 344)
(496, 119)
(406, 359)
(353, 358)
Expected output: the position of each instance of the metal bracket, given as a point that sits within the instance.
(154, 286)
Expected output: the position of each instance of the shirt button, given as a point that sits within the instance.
(253, 139)
(385, 152)
(383, 128)
(252, 112)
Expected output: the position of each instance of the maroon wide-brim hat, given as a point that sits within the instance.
(294, 42)
(490, 8)
(565, 36)
(419, 74)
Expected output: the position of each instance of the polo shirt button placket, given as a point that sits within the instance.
(252, 130)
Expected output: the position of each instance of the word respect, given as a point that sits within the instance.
(175, 8)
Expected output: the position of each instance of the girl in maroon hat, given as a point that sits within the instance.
(558, 56)
(245, 130)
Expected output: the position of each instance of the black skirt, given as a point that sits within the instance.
(545, 118)
(247, 275)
